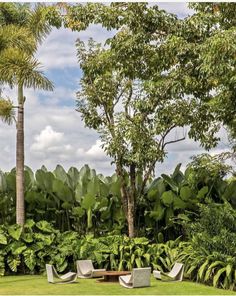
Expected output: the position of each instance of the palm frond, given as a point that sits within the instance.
(7, 113)
(16, 67)
(16, 37)
(14, 13)
(38, 23)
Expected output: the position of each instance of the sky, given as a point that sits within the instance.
(54, 131)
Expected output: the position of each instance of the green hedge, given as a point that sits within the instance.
(28, 251)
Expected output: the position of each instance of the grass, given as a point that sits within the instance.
(38, 285)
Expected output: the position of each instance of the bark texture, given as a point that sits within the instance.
(20, 202)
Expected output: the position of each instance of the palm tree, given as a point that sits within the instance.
(19, 68)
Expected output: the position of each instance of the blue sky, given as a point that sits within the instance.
(54, 131)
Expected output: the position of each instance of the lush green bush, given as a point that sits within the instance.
(84, 201)
(210, 254)
(40, 243)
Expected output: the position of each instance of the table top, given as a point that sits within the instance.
(113, 273)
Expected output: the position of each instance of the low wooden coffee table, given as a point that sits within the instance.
(111, 276)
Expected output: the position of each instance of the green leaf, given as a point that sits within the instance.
(179, 204)
(186, 193)
(60, 174)
(30, 259)
(217, 276)
(45, 226)
(13, 262)
(29, 223)
(202, 192)
(138, 262)
(170, 182)
(202, 269)
(88, 201)
(168, 198)
(62, 190)
(78, 212)
(229, 269)
(15, 231)
(3, 239)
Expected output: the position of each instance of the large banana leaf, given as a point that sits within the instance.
(62, 191)
(61, 174)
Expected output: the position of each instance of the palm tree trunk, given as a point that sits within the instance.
(20, 203)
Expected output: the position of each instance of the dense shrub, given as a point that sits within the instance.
(40, 243)
(210, 254)
(84, 201)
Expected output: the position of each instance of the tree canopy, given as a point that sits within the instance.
(137, 90)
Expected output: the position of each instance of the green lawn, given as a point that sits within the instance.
(28, 285)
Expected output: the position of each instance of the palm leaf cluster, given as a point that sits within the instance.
(21, 30)
(6, 110)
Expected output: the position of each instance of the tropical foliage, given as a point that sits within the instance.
(210, 254)
(40, 243)
(87, 202)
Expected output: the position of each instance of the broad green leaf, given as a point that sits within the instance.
(202, 192)
(170, 182)
(45, 226)
(168, 198)
(3, 239)
(186, 193)
(15, 231)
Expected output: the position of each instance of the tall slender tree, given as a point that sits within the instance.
(19, 68)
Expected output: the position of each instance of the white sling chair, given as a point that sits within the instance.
(140, 277)
(86, 270)
(54, 278)
(176, 273)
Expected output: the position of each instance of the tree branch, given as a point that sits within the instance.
(174, 141)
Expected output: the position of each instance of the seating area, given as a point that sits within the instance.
(137, 278)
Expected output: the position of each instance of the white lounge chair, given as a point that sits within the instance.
(54, 278)
(140, 277)
(176, 273)
(86, 270)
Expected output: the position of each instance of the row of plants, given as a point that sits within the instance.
(85, 201)
(209, 253)
(28, 251)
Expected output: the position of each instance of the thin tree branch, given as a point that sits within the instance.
(174, 141)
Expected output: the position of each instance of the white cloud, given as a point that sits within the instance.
(93, 154)
(47, 139)
(96, 152)
(179, 8)
(58, 50)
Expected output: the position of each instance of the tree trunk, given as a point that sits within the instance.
(123, 189)
(128, 197)
(131, 202)
(130, 217)
(20, 203)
